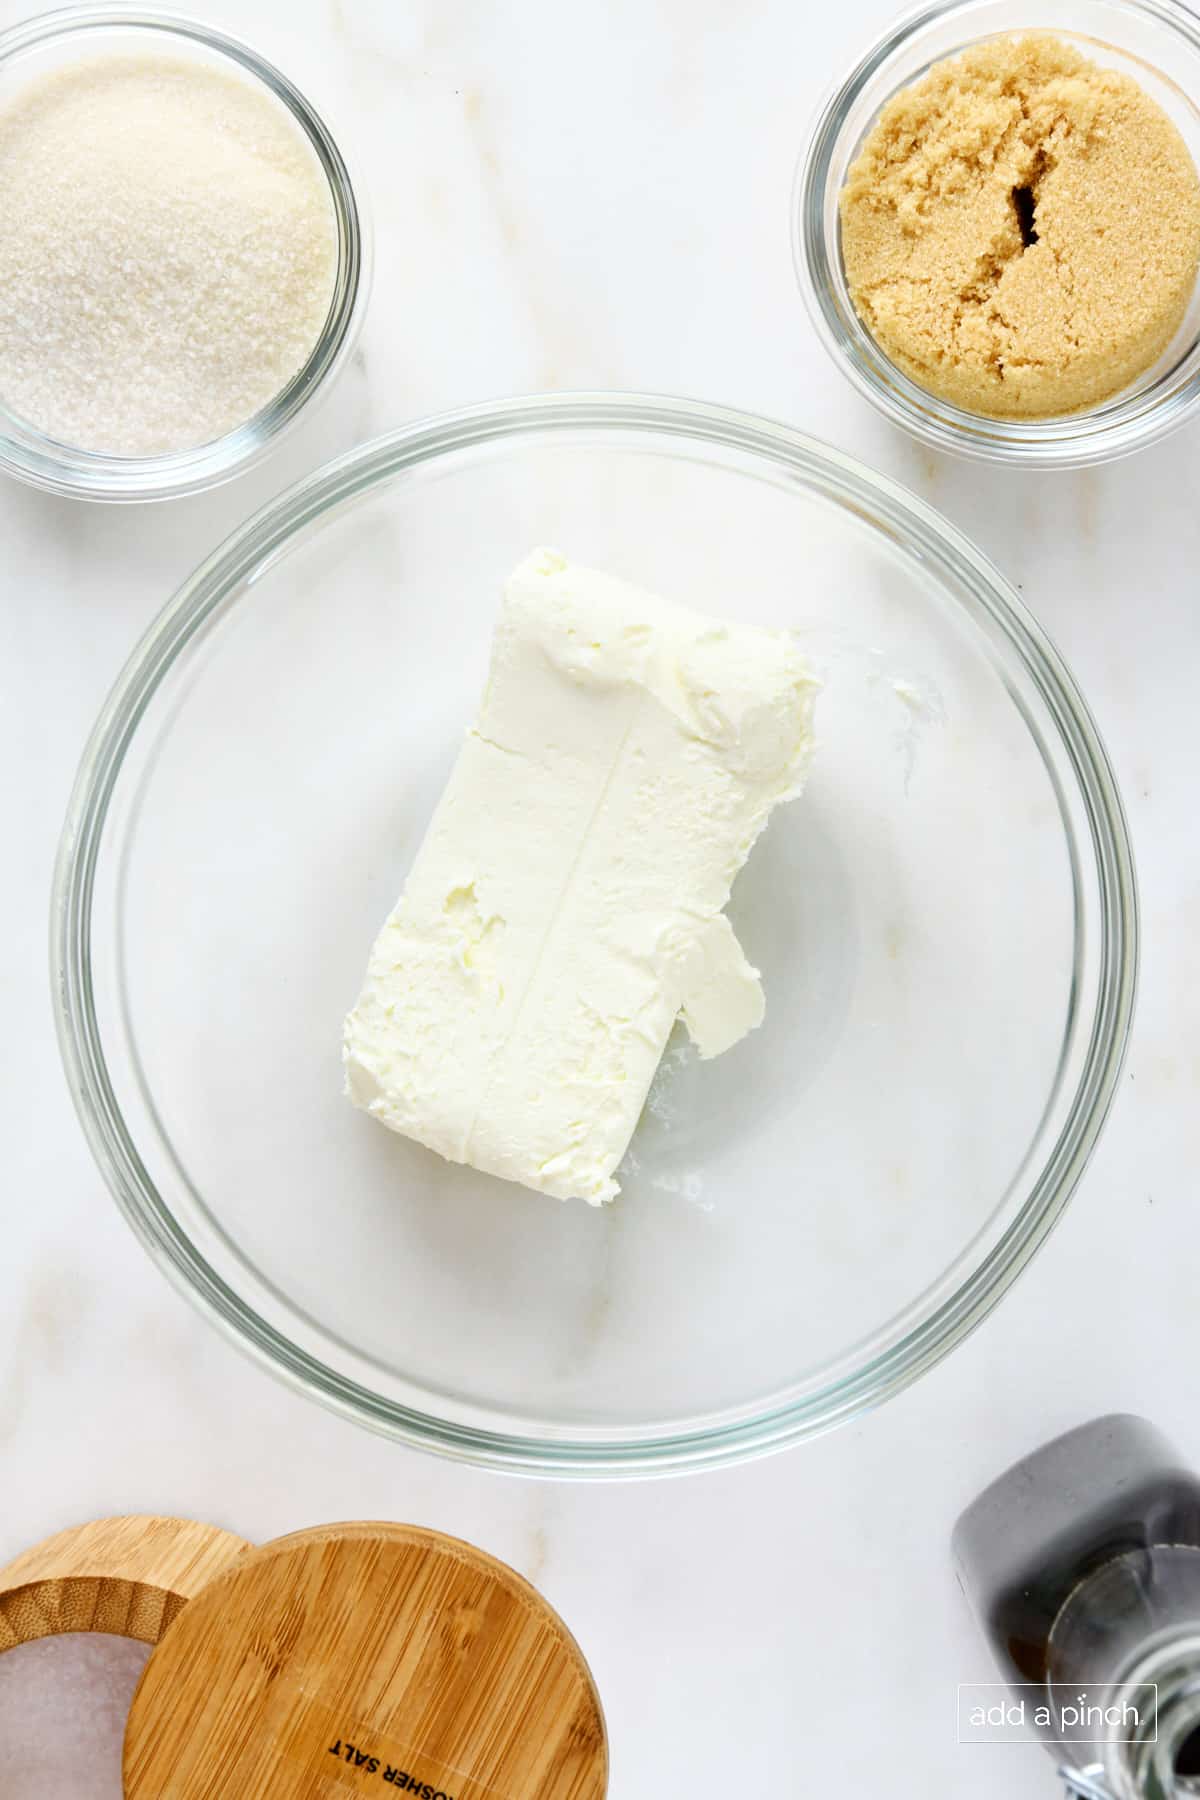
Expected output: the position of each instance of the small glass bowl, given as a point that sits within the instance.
(1157, 42)
(53, 41)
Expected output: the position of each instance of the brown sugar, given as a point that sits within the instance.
(1021, 229)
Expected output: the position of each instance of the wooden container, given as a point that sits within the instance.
(128, 1576)
(368, 1659)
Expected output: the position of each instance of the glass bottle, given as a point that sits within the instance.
(1082, 1563)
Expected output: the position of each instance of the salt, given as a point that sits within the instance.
(168, 253)
(63, 1706)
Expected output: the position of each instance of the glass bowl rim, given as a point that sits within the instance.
(61, 469)
(253, 546)
(1117, 427)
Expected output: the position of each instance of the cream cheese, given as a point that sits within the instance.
(566, 906)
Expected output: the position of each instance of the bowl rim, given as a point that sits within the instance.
(32, 457)
(1126, 422)
(258, 542)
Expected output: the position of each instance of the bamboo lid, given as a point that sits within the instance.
(366, 1659)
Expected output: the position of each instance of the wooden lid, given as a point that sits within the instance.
(366, 1659)
(128, 1576)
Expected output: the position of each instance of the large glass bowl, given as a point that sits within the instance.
(945, 923)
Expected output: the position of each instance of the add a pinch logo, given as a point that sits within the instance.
(995, 1713)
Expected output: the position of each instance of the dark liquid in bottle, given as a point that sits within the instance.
(1187, 1757)
(1111, 1486)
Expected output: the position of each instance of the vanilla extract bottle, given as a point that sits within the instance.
(1082, 1564)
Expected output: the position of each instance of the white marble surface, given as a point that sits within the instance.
(596, 195)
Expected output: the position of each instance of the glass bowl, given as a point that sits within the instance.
(55, 39)
(1155, 41)
(945, 924)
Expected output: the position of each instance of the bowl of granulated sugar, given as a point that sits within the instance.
(184, 260)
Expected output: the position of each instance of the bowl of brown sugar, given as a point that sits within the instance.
(997, 226)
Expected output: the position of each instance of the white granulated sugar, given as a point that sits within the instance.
(168, 250)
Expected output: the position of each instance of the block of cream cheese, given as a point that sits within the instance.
(566, 906)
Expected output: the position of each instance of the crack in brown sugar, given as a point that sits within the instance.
(1025, 205)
